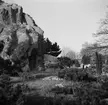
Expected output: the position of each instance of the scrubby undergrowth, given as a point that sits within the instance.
(73, 87)
(78, 87)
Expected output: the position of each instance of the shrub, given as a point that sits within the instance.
(65, 62)
(61, 73)
(80, 93)
(103, 79)
(76, 75)
(105, 69)
(87, 94)
(10, 94)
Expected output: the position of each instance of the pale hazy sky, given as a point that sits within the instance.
(68, 22)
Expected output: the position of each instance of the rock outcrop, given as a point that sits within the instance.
(21, 40)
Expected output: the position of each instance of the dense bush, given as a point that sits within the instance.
(81, 93)
(65, 62)
(87, 94)
(91, 70)
(61, 73)
(87, 89)
(76, 75)
(105, 68)
(10, 94)
(84, 90)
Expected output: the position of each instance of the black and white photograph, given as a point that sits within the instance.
(53, 52)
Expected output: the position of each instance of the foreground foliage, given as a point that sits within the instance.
(9, 93)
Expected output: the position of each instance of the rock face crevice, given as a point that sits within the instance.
(21, 40)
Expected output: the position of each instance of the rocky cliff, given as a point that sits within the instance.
(21, 40)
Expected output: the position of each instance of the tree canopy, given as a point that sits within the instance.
(102, 32)
(51, 48)
(86, 59)
(88, 48)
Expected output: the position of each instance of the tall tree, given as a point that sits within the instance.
(102, 32)
(88, 49)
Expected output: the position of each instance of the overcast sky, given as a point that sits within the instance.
(68, 22)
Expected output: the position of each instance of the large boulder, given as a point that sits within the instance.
(21, 40)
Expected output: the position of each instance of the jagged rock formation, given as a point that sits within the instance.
(21, 40)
